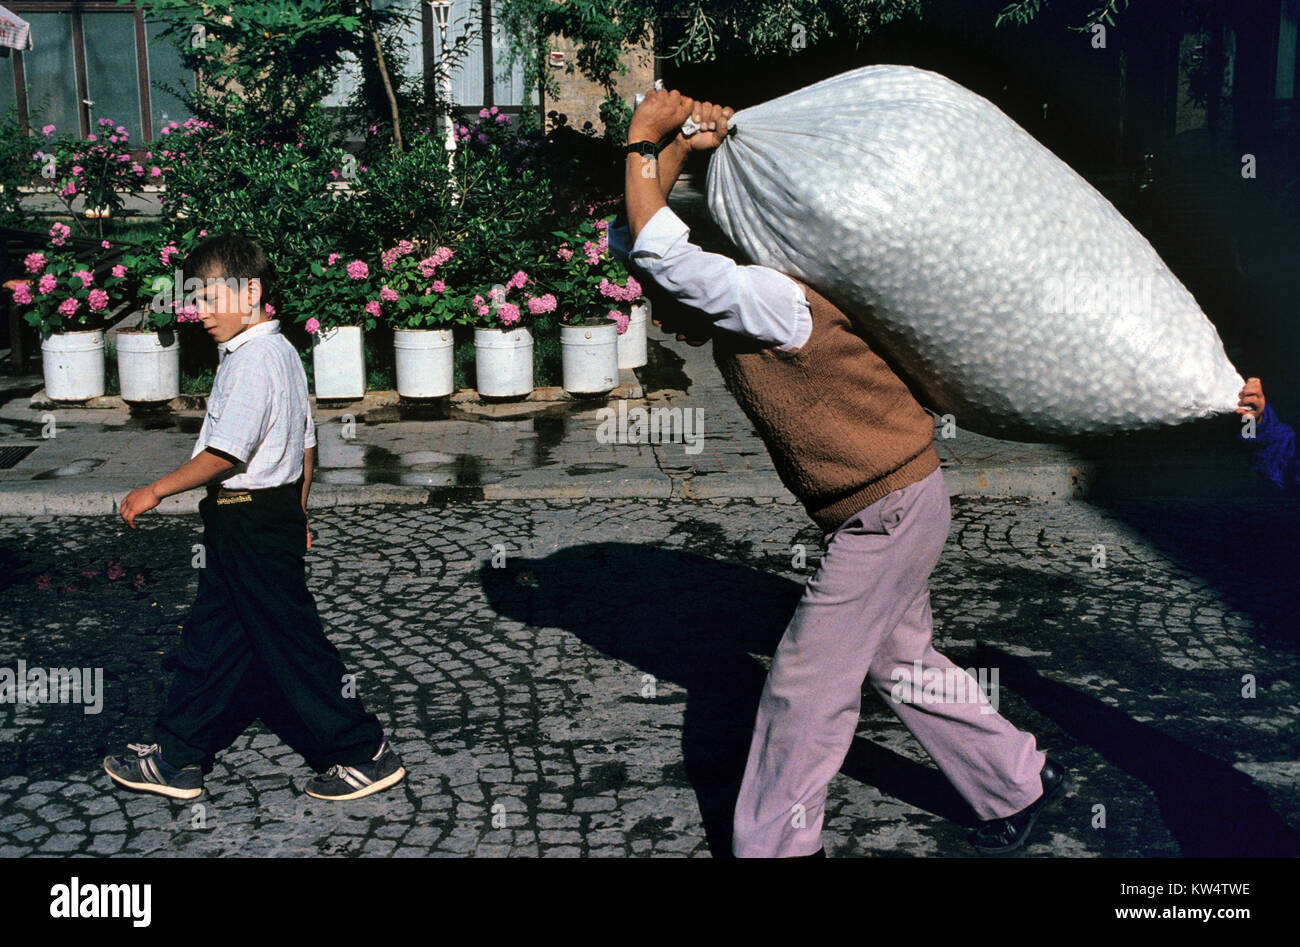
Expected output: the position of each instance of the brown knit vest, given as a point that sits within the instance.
(843, 430)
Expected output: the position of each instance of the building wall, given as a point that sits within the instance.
(580, 98)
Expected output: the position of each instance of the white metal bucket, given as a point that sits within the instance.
(338, 358)
(147, 370)
(503, 361)
(73, 363)
(590, 358)
(425, 362)
(632, 343)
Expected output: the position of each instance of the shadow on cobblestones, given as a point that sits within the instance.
(1212, 809)
(1247, 551)
(709, 650)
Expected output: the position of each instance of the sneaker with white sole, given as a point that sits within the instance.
(147, 771)
(340, 782)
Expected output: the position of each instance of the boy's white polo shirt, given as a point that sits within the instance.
(259, 412)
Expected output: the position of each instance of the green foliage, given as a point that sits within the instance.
(15, 161)
(61, 293)
(280, 193)
(265, 62)
(98, 171)
(588, 279)
(1022, 12)
(151, 269)
(702, 30)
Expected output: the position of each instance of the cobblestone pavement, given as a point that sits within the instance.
(594, 696)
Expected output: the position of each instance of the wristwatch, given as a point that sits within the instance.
(647, 149)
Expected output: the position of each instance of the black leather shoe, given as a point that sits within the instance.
(998, 836)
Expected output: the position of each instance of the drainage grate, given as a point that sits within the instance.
(10, 455)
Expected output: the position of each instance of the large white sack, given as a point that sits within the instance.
(997, 280)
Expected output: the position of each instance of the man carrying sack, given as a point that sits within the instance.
(853, 445)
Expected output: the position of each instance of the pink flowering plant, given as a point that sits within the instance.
(98, 172)
(154, 269)
(593, 285)
(511, 304)
(59, 293)
(416, 290)
(343, 290)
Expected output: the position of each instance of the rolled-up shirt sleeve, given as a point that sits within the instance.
(239, 412)
(756, 301)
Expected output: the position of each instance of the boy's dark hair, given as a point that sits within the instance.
(231, 256)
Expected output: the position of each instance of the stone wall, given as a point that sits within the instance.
(580, 98)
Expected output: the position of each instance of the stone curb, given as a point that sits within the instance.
(1065, 481)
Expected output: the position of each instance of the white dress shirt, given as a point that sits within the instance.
(259, 412)
(756, 301)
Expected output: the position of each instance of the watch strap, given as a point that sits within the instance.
(647, 149)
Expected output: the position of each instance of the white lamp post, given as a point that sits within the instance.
(442, 16)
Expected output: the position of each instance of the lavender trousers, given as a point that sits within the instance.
(865, 614)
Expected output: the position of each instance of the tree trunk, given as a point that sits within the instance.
(384, 78)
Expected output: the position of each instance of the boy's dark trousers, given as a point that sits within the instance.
(254, 620)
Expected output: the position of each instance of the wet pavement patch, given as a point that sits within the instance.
(82, 465)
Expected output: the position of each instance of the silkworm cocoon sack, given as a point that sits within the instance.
(998, 282)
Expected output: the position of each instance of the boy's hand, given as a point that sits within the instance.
(137, 502)
(712, 121)
(660, 114)
(1251, 399)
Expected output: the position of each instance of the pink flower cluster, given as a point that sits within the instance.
(34, 262)
(312, 326)
(436, 259)
(98, 300)
(85, 276)
(388, 294)
(508, 313)
(22, 294)
(188, 314)
(540, 304)
(627, 294)
(389, 257)
(47, 283)
(59, 234)
(621, 318)
(357, 269)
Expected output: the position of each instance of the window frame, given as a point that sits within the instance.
(77, 8)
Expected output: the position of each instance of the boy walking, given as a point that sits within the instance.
(253, 612)
(850, 441)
